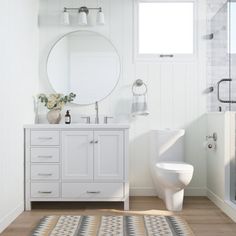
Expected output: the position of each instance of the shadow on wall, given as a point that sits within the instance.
(140, 176)
(195, 152)
(122, 111)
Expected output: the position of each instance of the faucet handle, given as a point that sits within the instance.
(87, 119)
(106, 119)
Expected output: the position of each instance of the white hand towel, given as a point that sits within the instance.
(139, 105)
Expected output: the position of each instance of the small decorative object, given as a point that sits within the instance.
(55, 103)
(67, 117)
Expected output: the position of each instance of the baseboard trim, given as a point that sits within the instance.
(195, 192)
(10, 217)
(142, 192)
(226, 206)
(139, 191)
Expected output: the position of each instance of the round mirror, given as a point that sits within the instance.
(85, 63)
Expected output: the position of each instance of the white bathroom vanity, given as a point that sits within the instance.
(77, 162)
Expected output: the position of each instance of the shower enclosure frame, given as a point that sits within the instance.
(223, 76)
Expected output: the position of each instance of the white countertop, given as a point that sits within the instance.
(78, 126)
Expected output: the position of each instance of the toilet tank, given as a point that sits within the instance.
(167, 145)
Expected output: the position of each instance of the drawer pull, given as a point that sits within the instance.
(94, 192)
(45, 192)
(40, 174)
(45, 138)
(44, 156)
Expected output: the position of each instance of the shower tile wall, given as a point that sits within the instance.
(213, 7)
(219, 61)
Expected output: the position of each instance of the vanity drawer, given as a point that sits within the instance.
(92, 190)
(45, 154)
(47, 172)
(44, 190)
(44, 138)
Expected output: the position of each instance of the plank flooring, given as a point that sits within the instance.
(204, 218)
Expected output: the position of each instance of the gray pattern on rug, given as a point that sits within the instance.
(147, 225)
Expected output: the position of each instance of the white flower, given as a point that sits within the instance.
(50, 104)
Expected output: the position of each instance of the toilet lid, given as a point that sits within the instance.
(175, 166)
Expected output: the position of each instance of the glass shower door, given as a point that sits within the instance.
(232, 92)
(232, 52)
(222, 74)
(219, 64)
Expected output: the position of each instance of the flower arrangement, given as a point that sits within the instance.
(56, 101)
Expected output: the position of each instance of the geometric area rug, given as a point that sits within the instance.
(145, 225)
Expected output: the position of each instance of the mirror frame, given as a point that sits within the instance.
(108, 40)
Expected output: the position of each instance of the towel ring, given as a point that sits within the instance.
(139, 83)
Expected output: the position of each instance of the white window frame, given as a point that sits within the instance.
(156, 57)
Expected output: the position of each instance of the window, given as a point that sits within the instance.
(165, 28)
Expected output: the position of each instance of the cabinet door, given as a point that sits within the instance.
(108, 155)
(77, 155)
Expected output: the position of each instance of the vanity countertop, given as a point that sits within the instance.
(78, 126)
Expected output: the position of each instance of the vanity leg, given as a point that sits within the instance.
(28, 205)
(126, 204)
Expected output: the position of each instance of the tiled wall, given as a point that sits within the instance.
(220, 64)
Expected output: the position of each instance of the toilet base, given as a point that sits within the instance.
(174, 199)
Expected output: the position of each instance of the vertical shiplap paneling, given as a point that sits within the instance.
(179, 96)
(154, 95)
(167, 95)
(115, 34)
(140, 131)
(191, 93)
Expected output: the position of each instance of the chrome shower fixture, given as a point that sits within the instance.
(208, 90)
(208, 36)
(83, 15)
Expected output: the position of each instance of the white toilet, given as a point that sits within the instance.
(170, 174)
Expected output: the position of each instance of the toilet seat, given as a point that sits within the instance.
(177, 167)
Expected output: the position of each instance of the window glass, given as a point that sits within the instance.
(165, 28)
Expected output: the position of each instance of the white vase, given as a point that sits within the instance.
(54, 116)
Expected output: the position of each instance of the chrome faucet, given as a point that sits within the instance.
(97, 116)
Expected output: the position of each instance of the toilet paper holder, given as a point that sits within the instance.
(213, 136)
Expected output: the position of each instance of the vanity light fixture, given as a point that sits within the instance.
(66, 17)
(83, 15)
(100, 17)
(83, 12)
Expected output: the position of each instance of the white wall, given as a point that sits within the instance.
(175, 88)
(18, 75)
(216, 122)
(221, 162)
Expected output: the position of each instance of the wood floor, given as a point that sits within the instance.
(202, 215)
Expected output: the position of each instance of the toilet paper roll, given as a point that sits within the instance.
(210, 145)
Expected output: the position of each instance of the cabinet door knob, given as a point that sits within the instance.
(91, 141)
(96, 141)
